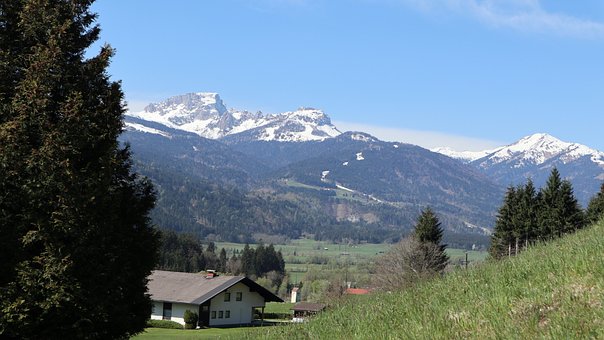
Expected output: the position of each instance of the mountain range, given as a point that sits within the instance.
(234, 175)
(534, 157)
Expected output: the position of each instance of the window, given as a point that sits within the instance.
(213, 314)
(238, 296)
(227, 314)
(227, 297)
(167, 312)
(220, 314)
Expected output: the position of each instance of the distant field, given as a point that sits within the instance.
(302, 255)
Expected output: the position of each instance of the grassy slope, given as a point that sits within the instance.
(549, 291)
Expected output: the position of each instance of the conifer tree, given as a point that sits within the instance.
(248, 260)
(76, 245)
(526, 221)
(551, 200)
(503, 235)
(595, 208)
(560, 212)
(428, 231)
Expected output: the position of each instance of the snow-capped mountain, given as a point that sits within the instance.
(465, 156)
(206, 115)
(533, 157)
(538, 149)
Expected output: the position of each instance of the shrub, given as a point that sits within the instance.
(191, 319)
(163, 324)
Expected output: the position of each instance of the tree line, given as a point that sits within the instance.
(528, 216)
(186, 253)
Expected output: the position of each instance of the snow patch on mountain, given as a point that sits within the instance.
(360, 156)
(362, 137)
(324, 175)
(139, 127)
(205, 114)
(466, 156)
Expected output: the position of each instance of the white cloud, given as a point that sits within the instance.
(425, 139)
(521, 15)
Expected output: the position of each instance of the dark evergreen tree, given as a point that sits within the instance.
(503, 234)
(222, 260)
(595, 208)
(248, 261)
(181, 253)
(526, 216)
(76, 245)
(559, 211)
(572, 215)
(428, 231)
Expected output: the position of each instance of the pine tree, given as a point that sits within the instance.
(248, 261)
(76, 243)
(595, 208)
(526, 222)
(505, 228)
(572, 216)
(560, 212)
(428, 231)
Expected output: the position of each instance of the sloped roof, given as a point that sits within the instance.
(194, 288)
(308, 307)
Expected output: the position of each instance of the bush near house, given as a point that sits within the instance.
(190, 319)
(163, 324)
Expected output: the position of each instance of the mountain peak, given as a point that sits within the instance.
(539, 148)
(205, 114)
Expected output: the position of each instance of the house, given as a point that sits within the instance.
(306, 309)
(218, 300)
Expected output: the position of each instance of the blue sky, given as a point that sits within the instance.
(471, 74)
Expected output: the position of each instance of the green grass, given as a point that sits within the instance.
(298, 255)
(278, 307)
(553, 291)
(209, 333)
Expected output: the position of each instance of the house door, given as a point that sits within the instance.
(204, 314)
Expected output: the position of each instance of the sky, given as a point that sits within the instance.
(468, 74)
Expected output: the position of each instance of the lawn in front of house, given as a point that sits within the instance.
(206, 333)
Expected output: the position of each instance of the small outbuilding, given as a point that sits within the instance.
(303, 310)
(218, 300)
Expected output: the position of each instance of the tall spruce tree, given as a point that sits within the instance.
(428, 231)
(503, 235)
(560, 212)
(595, 208)
(76, 245)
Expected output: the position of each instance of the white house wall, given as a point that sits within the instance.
(178, 311)
(241, 311)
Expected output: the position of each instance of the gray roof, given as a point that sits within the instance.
(194, 288)
(308, 307)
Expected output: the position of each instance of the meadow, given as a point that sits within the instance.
(553, 290)
(303, 255)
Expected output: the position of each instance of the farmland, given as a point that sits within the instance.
(304, 255)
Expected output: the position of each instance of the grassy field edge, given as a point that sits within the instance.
(549, 291)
